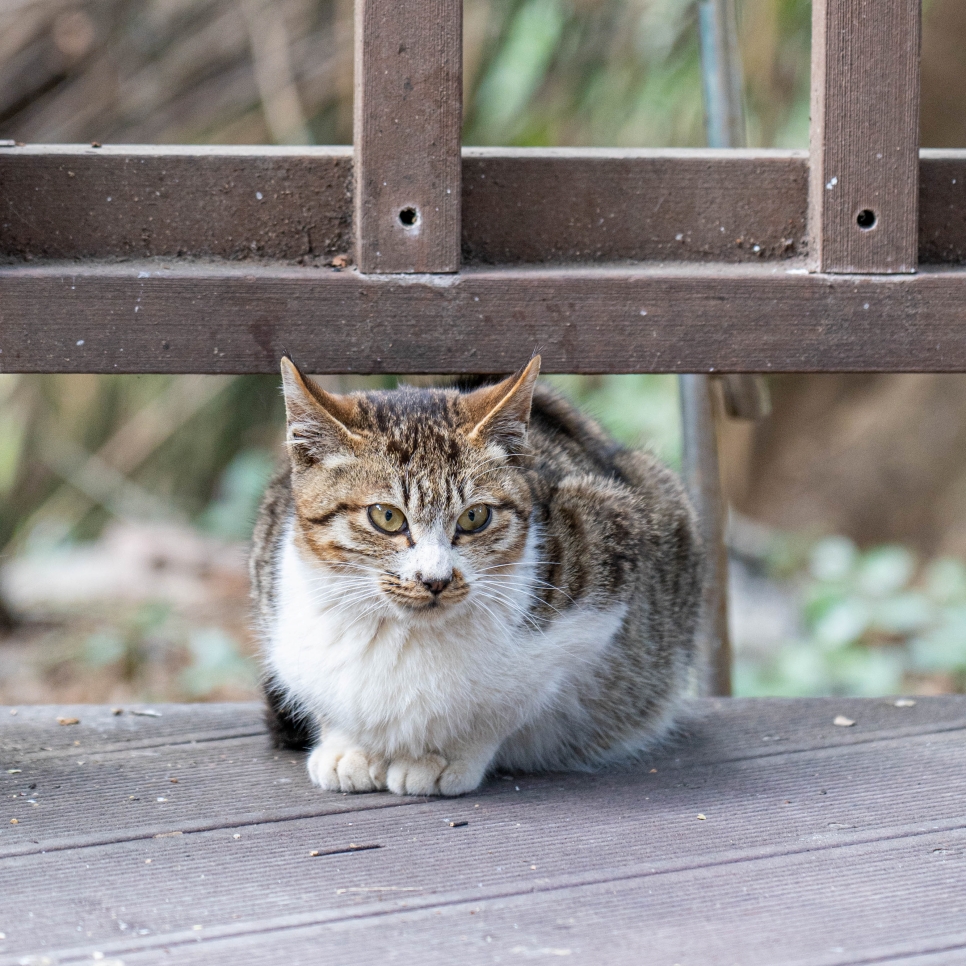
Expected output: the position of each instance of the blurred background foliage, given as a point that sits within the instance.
(125, 500)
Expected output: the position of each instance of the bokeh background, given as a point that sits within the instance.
(126, 502)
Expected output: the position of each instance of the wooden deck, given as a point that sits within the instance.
(767, 834)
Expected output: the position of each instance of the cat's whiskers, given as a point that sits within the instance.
(507, 565)
(514, 607)
(528, 593)
(337, 602)
(341, 603)
(366, 612)
(519, 564)
(345, 571)
(489, 610)
(332, 588)
(347, 585)
(552, 586)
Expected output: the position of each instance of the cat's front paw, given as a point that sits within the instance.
(339, 766)
(434, 775)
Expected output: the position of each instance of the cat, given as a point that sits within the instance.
(450, 582)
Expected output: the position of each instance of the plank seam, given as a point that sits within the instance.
(307, 920)
(119, 747)
(817, 749)
(950, 944)
(243, 821)
(250, 821)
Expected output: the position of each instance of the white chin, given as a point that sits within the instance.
(429, 613)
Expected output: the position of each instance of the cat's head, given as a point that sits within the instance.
(417, 497)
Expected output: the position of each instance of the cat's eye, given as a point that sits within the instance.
(474, 518)
(389, 519)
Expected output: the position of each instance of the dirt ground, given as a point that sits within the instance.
(147, 613)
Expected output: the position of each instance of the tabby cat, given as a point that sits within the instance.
(450, 582)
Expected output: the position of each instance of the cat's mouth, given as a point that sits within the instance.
(421, 597)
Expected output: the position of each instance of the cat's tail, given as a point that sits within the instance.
(288, 726)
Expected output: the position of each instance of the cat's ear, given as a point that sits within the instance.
(317, 421)
(501, 413)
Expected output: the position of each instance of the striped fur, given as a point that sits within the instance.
(559, 636)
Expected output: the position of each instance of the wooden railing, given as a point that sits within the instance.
(157, 259)
(403, 255)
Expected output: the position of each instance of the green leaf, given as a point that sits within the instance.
(833, 559)
(232, 513)
(885, 570)
(801, 670)
(519, 68)
(216, 662)
(943, 649)
(904, 614)
(102, 648)
(868, 672)
(842, 624)
(945, 580)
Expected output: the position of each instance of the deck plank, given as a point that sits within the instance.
(815, 837)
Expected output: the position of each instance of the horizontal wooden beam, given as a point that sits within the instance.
(239, 318)
(65, 201)
(525, 206)
(560, 205)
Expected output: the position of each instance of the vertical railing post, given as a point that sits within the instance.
(407, 126)
(864, 157)
(703, 481)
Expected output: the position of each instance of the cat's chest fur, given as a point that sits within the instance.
(415, 687)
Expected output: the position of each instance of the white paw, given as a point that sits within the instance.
(339, 766)
(462, 776)
(434, 775)
(415, 776)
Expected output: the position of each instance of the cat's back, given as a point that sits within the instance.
(568, 443)
(273, 515)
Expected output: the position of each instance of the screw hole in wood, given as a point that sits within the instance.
(408, 217)
(866, 219)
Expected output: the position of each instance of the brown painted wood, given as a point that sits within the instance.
(594, 205)
(864, 135)
(520, 206)
(408, 120)
(798, 828)
(225, 318)
(942, 206)
(137, 201)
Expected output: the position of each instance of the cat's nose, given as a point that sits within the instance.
(436, 587)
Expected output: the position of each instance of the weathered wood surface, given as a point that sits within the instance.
(408, 112)
(819, 845)
(519, 205)
(942, 207)
(229, 318)
(864, 135)
(61, 201)
(597, 205)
